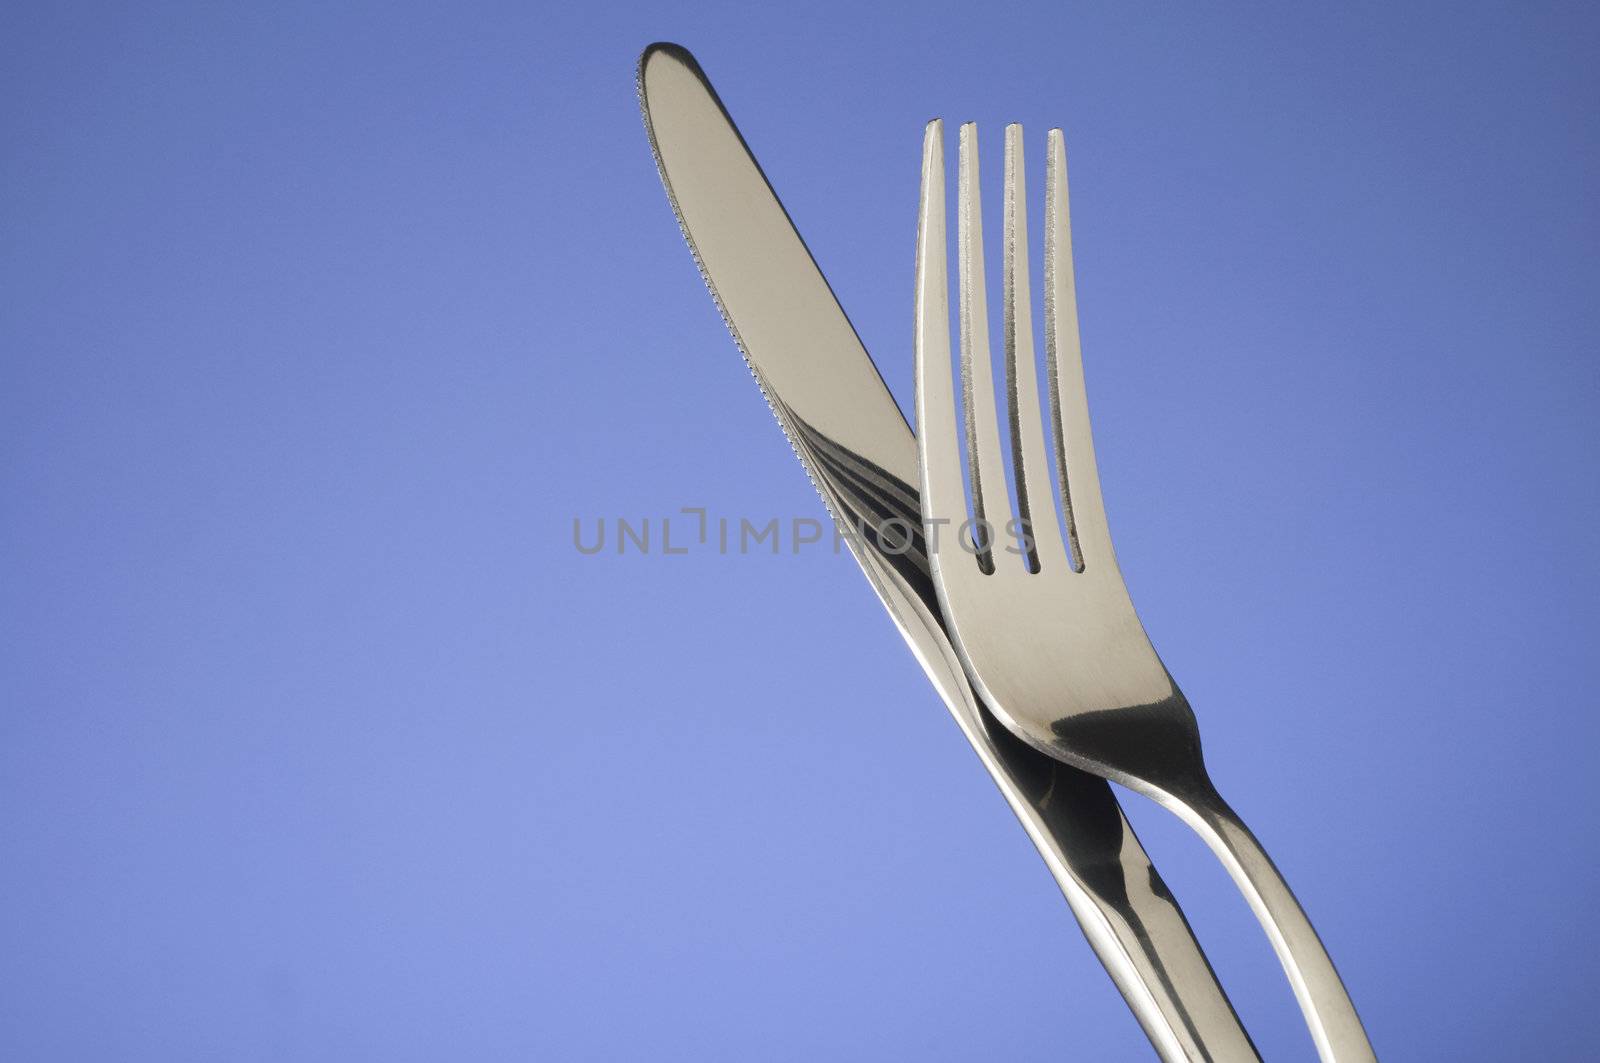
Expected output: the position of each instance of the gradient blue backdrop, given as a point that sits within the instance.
(321, 323)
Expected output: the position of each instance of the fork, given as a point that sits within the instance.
(1043, 623)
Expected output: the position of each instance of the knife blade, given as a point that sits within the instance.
(861, 456)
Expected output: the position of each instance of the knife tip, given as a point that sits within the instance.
(666, 49)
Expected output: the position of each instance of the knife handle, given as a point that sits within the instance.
(1130, 918)
(1132, 921)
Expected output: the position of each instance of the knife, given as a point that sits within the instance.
(861, 456)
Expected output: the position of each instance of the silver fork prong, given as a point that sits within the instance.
(1069, 403)
(944, 498)
(991, 505)
(1035, 504)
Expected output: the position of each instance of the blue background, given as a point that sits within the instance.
(321, 323)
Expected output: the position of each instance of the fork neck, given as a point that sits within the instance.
(1153, 749)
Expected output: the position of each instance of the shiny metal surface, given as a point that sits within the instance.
(1040, 617)
(861, 456)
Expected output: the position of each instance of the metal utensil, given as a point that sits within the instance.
(860, 453)
(1042, 621)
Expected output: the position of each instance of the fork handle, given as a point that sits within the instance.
(1329, 1012)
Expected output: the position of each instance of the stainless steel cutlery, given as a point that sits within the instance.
(1055, 694)
(1038, 612)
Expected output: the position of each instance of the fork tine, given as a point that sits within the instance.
(1035, 504)
(943, 494)
(986, 466)
(1069, 404)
